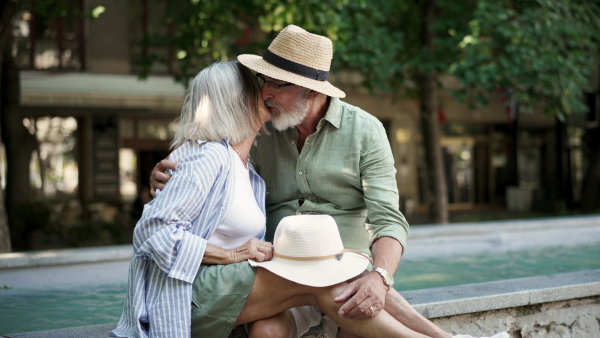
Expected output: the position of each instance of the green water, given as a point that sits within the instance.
(455, 270)
(41, 309)
(27, 310)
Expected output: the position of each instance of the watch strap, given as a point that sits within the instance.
(384, 275)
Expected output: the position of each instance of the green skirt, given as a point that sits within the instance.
(219, 293)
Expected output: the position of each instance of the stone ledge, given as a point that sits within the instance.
(65, 256)
(521, 225)
(438, 302)
(470, 298)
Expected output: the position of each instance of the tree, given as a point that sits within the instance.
(544, 52)
(201, 31)
(402, 47)
(18, 142)
(7, 11)
(390, 43)
(541, 50)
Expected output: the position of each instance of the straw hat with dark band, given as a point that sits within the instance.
(298, 57)
(308, 250)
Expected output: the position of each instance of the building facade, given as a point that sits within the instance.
(87, 70)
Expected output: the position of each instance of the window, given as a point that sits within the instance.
(51, 36)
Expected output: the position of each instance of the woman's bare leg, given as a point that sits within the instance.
(272, 294)
(282, 325)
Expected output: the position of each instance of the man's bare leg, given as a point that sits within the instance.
(406, 314)
(272, 294)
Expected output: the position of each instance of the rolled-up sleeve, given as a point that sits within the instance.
(164, 234)
(380, 191)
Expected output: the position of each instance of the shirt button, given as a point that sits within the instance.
(293, 142)
(300, 173)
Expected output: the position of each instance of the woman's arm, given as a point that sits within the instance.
(164, 234)
(174, 225)
(253, 249)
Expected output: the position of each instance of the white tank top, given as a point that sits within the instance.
(243, 218)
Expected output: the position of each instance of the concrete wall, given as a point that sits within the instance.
(108, 38)
(577, 318)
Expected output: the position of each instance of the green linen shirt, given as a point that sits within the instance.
(345, 169)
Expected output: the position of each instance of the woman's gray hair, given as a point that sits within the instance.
(221, 102)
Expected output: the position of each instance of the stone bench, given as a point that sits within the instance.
(566, 304)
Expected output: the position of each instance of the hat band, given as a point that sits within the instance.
(337, 256)
(294, 67)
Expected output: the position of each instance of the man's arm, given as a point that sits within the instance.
(158, 176)
(386, 225)
(370, 290)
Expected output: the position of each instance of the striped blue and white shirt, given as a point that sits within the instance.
(170, 239)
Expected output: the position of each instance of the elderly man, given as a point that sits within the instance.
(324, 156)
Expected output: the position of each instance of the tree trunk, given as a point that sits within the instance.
(437, 191)
(564, 179)
(590, 195)
(7, 11)
(19, 145)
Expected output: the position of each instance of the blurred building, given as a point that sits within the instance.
(87, 70)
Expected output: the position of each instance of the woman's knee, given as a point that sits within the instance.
(279, 326)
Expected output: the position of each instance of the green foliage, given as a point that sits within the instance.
(370, 43)
(202, 31)
(384, 41)
(543, 51)
(97, 232)
(540, 50)
(58, 8)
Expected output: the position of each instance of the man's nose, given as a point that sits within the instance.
(267, 93)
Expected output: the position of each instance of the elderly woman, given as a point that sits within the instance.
(189, 274)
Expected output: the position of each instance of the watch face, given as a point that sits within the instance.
(389, 280)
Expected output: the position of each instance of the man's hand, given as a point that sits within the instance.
(362, 294)
(158, 177)
(369, 290)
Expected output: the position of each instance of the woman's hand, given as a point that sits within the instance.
(253, 249)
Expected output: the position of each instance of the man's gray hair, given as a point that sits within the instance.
(221, 102)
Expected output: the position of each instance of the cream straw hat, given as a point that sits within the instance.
(299, 57)
(308, 250)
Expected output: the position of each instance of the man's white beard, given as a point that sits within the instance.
(291, 118)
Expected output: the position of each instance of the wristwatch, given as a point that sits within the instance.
(388, 279)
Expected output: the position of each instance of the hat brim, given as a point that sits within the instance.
(316, 273)
(258, 64)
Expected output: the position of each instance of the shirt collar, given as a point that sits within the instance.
(334, 112)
